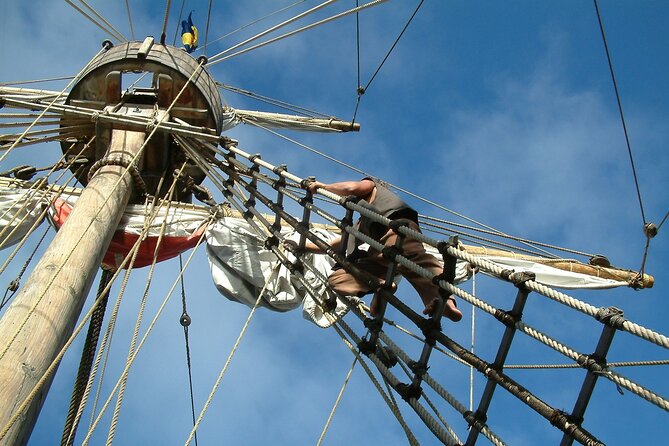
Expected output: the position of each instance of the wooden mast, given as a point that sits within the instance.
(43, 314)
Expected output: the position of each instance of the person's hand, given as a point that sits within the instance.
(290, 244)
(314, 186)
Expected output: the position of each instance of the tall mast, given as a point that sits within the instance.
(43, 314)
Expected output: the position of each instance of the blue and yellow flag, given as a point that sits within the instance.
(189, 34)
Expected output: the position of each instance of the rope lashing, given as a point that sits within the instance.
(124, 162)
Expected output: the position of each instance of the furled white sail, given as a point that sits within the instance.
(233, 117)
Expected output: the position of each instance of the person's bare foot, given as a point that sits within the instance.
(450, 309)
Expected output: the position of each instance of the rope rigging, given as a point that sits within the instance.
(239, 177)
(104, 26)
(237, 172)
(185, 322)
(285, 8)
(362, 90)
(222, 56)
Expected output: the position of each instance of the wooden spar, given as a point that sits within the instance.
(43, 314)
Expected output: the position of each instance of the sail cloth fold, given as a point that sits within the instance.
(242, 267)
(20, 209)
(554, 277)
(183, 226)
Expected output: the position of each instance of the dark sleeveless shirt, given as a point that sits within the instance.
(389, 205)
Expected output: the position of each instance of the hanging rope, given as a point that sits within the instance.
(230, 356)
(132, 29)
(141, 343)
(176, 30)
(206, 33)
(152, 211)
(620, 110)
(185, 321)
(336, 404)
(86, 361)
(362, 90)
(56, 361)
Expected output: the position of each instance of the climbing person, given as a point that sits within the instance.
(389, 205)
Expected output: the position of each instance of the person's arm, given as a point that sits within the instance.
(360, 188)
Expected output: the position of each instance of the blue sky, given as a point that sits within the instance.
(502, 111)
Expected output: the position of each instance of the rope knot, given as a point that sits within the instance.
(409, 391)
(611, 316)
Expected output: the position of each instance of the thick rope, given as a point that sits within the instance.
(86, 362)
(368, 241)
(185, 322)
